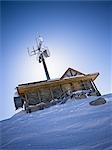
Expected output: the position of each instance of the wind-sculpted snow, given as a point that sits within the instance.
(75, 125)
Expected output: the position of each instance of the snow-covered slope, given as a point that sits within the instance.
(74, 125)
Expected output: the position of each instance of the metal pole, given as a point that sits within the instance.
(45, 68)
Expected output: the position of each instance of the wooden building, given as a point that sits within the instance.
(44, 92)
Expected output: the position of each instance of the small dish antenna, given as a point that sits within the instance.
(46, 52)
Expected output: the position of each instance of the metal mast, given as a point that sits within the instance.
(41, 52)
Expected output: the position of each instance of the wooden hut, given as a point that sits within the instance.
(43, 92)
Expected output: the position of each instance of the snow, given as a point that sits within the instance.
(75, 125)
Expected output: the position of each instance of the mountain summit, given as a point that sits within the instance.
(76, 125)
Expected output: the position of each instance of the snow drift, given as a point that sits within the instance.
(74, 125)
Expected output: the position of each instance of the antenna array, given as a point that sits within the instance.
(41, 53)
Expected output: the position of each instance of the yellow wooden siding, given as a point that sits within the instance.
(66, 87)
(32, 97)
(45, 95)
(57, 91)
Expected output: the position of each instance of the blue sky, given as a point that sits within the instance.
(78, 35)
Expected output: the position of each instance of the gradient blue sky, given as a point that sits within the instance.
(78, 35)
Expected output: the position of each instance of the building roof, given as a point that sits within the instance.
(71, 72)
(22, 88)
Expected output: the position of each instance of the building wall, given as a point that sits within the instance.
(47, 94)
(57, 91)
(32, 97)
(67, 87)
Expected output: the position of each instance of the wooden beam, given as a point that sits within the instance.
(39, 95)
(98, 93)
(72, 86)
(51, 92)
(61, 88)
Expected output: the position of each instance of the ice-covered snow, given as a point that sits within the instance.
(75, 125)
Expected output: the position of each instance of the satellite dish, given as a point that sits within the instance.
(46, 53)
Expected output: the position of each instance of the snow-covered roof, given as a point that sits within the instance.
(47, 83)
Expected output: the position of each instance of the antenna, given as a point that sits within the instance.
(41, 53)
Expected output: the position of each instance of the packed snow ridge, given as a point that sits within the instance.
(74, 125)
